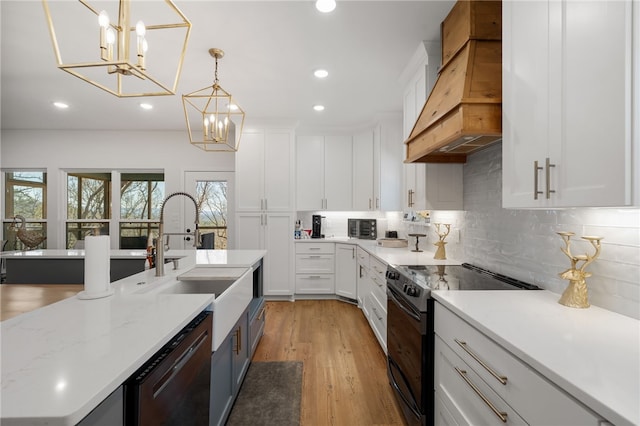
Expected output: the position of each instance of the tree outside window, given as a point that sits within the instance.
(211, 197)
(26, 196)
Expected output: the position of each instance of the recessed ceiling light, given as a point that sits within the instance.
(146, 106)
(318, 107)
(325, 6)
(60, 105)
(321, 73)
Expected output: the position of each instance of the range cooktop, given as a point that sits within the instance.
(460, 277)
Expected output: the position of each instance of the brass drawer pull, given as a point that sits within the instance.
(501, 414)
(262, 312)
(463, 345)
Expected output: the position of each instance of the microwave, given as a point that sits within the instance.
(364, 229)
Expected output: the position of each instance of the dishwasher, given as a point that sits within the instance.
(173, 387)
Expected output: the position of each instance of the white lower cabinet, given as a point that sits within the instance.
(362, 276)
(377, 307)
(315, 266)
(346, 268)
(477, 381)
(272, 232)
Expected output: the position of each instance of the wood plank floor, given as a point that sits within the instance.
(16, 299)
(344, 379)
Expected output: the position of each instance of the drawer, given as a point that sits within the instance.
(468, 399)
(379, 287)
(378, 267)
(377, 316)
(315, 284)
(256, 328)
(311, 248)
(537, 400)
(315, 263)
(363, 257)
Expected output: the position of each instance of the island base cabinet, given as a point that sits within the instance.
(229, 365)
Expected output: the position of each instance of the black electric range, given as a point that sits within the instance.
(415, 282)
(410, 334)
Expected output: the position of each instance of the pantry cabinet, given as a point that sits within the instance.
(426, 186)
(324, 173)
(264, 171)
(271, 231)
(477, 381)
(568, 80)
(346, 265)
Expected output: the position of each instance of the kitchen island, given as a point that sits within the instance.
(61, 361)
(51, 266)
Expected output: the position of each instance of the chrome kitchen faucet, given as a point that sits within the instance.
(160, 245)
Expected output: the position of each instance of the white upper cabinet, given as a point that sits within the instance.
(568, 130)
(425, 183)
(363, 171)
(324, 173)
(264, 171)
(387, 160)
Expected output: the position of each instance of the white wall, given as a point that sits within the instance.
(56, 151)
(524, 243)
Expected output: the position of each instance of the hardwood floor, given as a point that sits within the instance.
(16, 299)
(345, 377)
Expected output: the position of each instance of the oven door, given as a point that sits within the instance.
(405, 355)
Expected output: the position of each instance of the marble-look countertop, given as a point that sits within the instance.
(60, 361)
(390, 256)
(593, 354)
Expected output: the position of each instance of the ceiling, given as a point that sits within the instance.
(271, 50)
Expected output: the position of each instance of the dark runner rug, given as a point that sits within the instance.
(270, 395)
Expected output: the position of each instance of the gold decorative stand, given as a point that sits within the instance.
(440, 251)
(576, 295)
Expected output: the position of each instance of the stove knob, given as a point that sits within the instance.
(393, 275)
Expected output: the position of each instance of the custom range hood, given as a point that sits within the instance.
(463, 113)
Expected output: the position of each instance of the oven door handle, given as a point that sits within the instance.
(401, 305)
(394, 383)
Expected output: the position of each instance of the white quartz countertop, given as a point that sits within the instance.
(60, 361)
(593, 354)
(391, 256)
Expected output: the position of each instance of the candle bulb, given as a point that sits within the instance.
(103, 22)
(206, 128)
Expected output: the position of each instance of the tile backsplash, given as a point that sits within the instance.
(524, 244)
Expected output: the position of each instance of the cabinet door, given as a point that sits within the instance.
(278, 267)
(249, 231)
(363, 171)
(278, 171)
(338, 154)
(240, 350)
(250, 171)
(310, 173)
(346, 268)
(387, 160)
(525, 101)
(592, 162)
(221, 398)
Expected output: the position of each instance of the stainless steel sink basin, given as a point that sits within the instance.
(210, 286)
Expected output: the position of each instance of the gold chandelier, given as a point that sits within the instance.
(214, 121)
(125, 58)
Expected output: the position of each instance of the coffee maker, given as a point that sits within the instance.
(316, 226)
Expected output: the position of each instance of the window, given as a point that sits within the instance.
(25, 197)
(88, 201)
(211, 197)
(141, 196)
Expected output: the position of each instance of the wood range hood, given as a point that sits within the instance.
(463, 113)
